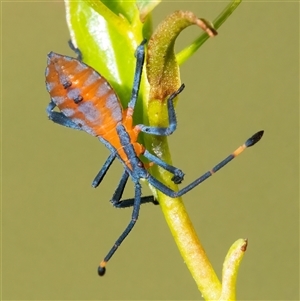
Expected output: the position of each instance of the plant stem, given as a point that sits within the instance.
(174, 211)
(190, 247)
(183, 55)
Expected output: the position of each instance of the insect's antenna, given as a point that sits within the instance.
(140, 57)
(166, 190)
(250, 142)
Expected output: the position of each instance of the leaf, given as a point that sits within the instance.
(107, 39)
(145, 7)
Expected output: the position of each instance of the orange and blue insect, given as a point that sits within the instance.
(87, 102)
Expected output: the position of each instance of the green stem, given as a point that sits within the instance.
(174, 211)
(230, 269)
(190, 248)
(183, 55)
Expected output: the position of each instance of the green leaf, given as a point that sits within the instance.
(126, 9)
(107, 39)
(145, 7)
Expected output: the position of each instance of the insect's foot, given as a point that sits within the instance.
(155, 202)
(178, 176)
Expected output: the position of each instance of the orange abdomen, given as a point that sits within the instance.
(82, 94)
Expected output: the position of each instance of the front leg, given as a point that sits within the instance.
(160, 131)
(60, 118)
(178, 173)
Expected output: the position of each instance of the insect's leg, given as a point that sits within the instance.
(76, 50)
(119, 191)
(116, 199)
(172, 119)
(103, 170)
(144, 200)
(178, 173)
(166, 190)
(140, 57)
(60, 118)
(134, 217)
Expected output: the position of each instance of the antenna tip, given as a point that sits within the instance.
(254, 139)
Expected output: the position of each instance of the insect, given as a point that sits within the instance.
(88, 103)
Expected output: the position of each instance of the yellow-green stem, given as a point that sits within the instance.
(190, 248)
(174, 211)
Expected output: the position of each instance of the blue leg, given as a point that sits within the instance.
(178, 174)
(76, 50)
(128, 202)
(144, 200)
(172, 119)
(119, 191)
(140, 57)
(103, 170)
(173, 194)
(134, 217)
(60, 118)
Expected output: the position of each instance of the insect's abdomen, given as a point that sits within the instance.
(82, 94)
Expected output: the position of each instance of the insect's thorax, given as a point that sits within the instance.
(123, 138)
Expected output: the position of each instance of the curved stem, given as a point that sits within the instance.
(183, 55)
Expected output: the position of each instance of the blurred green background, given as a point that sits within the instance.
(56, 228)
